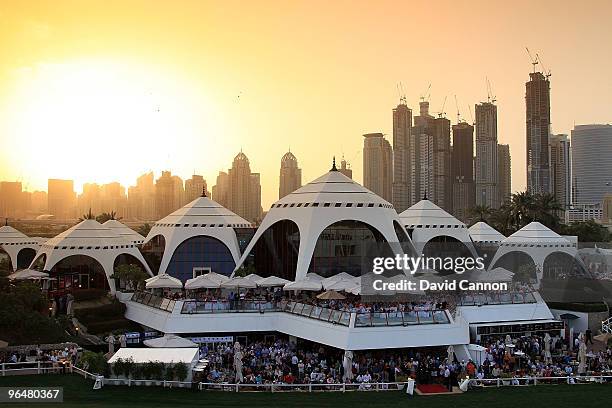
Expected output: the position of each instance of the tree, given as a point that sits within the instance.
(105, 216)
(5, 266)
(181, 371)
(88, 216)
(587, 231)
(130, 273)
(480, 213)
(501, 220)
(521, 209)
(144, 229)
(546, 210)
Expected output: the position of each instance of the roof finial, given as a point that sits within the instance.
(425, 195)
(203, 191)
(334, 165)
(6, 222)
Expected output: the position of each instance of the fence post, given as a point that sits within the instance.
(237, 387)
(310, 387)
(377, 387)
(343, 387)
(498, 382)
(3, 369)
(129, 382)
(535, 380)
(38, 367)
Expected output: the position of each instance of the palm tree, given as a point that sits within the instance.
(480, 213)
(521, 209)
(547, 209)
(501, 219)
(88, 216)
(102, 218)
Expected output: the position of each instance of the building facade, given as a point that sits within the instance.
(486, 155)
(244, 190)
(462, 170)
(537, 101)
(377, 165)
(420, 153)
(290, 178)
(561, 169)
(194, 187)
(61, 199)
(504, 173)
(591, 163)
(402, 124)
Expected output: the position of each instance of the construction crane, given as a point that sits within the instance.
(458, 114)
(425, 95)
(401, 93)
(471, 116)
(441, 112)
(534, 61)
(545, 71)
(490, 97)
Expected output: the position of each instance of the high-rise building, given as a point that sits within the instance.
(89, 199)
(561, 169)
(537, 100)
(11, 200)
(141, 198)
(219, 190)
(462, 170)
(61, 199)
(402, 123)
(591, 163)
(504, 173)
(243, 190)
(439, 189)
(194, 187)
(419, 154)
(114, 199)
(486, 155)
(290, 175)
(168, 194)
(377, 165)
(39, 202)
(345, 168)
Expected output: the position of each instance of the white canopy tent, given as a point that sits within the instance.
(254, 277)
(28, 274)
(239, 283)
(341, 284)
(186, 355)
(202, 282)
(310, 285)
(272, 281)
(498, 274)
(13, 242)
(163, 282)
(217, 277)
(170, 341)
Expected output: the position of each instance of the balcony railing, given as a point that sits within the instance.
(406, 318)
(503, 298)
(158, 302)
(317, 312)
(227, 306)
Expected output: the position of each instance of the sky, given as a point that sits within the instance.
(101, 91)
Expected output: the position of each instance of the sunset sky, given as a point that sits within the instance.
(106, 90)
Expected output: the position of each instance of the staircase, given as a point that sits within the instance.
(606, 325)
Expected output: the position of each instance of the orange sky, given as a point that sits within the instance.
(105, 90)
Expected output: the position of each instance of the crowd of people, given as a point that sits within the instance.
(57, 359)
(284, 362)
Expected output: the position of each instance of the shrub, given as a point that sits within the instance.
(119, 368)
(180, 369)
(94, 362)
(128, 367)
(170, 371)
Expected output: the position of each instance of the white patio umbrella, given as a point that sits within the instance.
(239, 283)
(355, 290)
(28, 274)
(495, 275)
(272, 281)
(341, 284)
(254, 277)
(202, 282)
(313, 276)
(170, 341)
(306, 284)
(163, 281)
(337, 277)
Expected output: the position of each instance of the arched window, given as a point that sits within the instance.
(39, 264)
(153, 251)
(348, 246)
(276, 251)
(25, 257)
(78, 272)
(6, 265)
(520, 263)
(200, 251)
(444, 246)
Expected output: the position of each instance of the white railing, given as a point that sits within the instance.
(606, 325)
(34, 367)
(335, 387)
(523, 381)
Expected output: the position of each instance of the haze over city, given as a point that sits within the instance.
(105, 91)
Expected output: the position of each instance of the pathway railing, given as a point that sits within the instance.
(149, 299)
(228, 306)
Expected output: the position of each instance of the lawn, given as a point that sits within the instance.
(78, 392)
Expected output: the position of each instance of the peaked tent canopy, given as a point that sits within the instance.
(163, 282)
(481, 232)
(170, 341)
(272, 281)
(13, 241)
(124, 231)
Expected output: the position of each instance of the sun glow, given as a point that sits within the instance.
(101, 121)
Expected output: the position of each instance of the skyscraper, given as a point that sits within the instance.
(504, 173)
(219, 190)
(486, 155)
(561, 169)
(61, 199)
(11, 199)
(537, 100)
(402, 123)
(462, 170)
(419, 153)
(89, 199)
(440, 182)
(290, 175)
(591, 163)
(194, 187)
(377, 165)
(244, 190)
(345, 168)
(141, 198)
(168, 194)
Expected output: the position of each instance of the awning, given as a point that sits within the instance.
(188, 356)
(272, 281)
(239, 283)
(170, 341)
(306, 284)
(202, 282)
(28, 274)
(163, 281)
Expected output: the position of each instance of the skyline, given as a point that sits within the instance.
(265, 78)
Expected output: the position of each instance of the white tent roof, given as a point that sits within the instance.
(170, 341)
(341, 284)
(9, 235)
(483, 232)
(163, 355)
(535, 233)
(427, 213)
(498, 274)
(202, 282)
(239, 283)
(314, 276)
(272, 281)
(306, 284)
(329, 199)
(337, 277)
(124, 231)
(87, 233)
(254, 277)
(217, 277)
(163, 281)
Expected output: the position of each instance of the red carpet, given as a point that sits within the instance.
(431, 388)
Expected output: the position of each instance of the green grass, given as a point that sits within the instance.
(78, 392)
